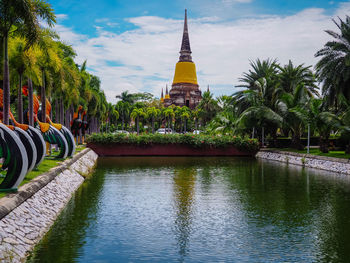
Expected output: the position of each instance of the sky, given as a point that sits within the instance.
(134, 44)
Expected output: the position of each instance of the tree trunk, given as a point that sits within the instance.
(153, 125)
(296, 142)
(308, 138)
(324, 144)
(20, 100)
(66, 117)
(43, 98)
(62, 112)
(30, 103)
(57, 110)
(6, 83)
(347, 148)
(137, 126)
(185, 124)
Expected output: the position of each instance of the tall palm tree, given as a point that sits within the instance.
(50, 63)
(136, 114)
(262, 78)
(153, 113)
(123, 107)
(169, 116)
(333, 68)
(256, 104)
(125, 96)
(208, 106)
(260, 109)
(290, 77)
(22, 61)
(292, 107)
(323, 120)
(21, 17)
(185, 115)
(196, 114)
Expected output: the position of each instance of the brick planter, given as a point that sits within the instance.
(163, 150)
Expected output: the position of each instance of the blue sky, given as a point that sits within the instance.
(133, 45)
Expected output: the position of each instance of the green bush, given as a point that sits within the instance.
(198, 141)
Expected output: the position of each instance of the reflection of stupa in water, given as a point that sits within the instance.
(184, 191)
(185, 90)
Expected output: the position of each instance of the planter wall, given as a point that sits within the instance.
(163, 150)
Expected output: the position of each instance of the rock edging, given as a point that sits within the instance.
(331, 164)
(28, 214)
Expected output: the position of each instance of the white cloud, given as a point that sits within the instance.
(61, 17)
(143, 59)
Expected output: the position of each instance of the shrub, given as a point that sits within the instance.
(195, 140)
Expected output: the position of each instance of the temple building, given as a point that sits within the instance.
(185, 89)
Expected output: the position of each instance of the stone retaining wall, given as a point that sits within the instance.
(27, 215)
(337, 165)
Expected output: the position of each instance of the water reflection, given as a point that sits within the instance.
(184, 191)
(65, 240)
(203, 210)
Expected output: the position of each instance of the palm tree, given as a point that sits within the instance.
(123, 107)
(125, 96)
(224, 123)
(169, 115)
(323, 120)
(153, 113)
(49, 61)
(291, 77)
(333, 68)
(263, 78)
(259, 107)
(136, 114)
(22, 61)
(291, 106)
(22, 17)
(258, 100)
(185, 115)
(197, 113)
(208, 106)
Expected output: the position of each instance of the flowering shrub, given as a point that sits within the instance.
(198, 141)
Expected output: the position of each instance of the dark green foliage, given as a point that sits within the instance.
(198, 141)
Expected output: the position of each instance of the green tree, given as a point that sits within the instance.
(291, 107)
(136, 114)
(333, 68)
(22, 61)
(169, 116)
(125, 96)
(196, 113)
(153, 113)
(291, 77)
(20, 17)
(208, 106)
(323, 120)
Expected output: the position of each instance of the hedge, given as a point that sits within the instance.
(198, 140)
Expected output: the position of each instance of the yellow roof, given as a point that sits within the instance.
(185, 72)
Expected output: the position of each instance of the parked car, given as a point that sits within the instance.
(165, 131)
(121, 131)
(197, 132)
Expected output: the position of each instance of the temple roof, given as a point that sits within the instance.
(185, 52)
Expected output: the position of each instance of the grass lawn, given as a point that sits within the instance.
(336, 154)
(46, 165)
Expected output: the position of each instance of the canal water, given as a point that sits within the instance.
(202, 210)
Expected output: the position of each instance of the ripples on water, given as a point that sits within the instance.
(202, 210)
